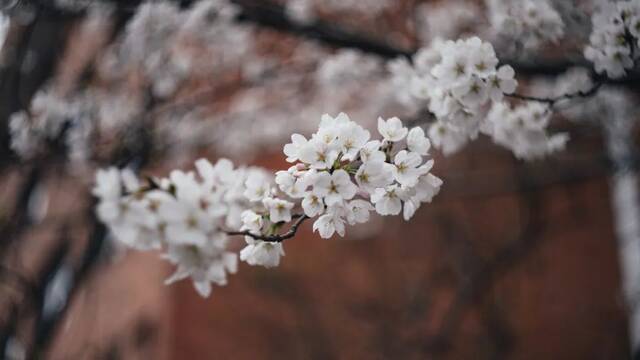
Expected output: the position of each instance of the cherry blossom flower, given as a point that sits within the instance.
(261, 253)
(258, 186)
(392, 129)
(334, 188)
(290, 183)
(388, 201)
(293, 149)
(407, 168)
(427, 187)
(371, 152)
(185, 223)
(279, 210)
(252, 221)
(108, 185)
(329, 224)
(351, 139)
(318, 154)
(374, 174)
(502, 82)
(204, 264)
(417, 142)
(358, 211)
(312, 205)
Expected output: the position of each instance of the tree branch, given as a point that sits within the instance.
(554, 100)
(268, 14)
(278, 238)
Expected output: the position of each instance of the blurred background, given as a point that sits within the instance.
(513, 260)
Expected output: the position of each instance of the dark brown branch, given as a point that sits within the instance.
(554, 100)
(272, 15)
(277, 238)
(268, 14)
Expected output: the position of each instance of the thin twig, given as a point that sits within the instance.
(277, 238)
(553, 101)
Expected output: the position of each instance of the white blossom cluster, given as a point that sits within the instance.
(615, 38)
(341, 174)
(185, 214)
(161, 48)
(168, 43)
(346, 65)
(530, 23)
(461, 84)
(574, 81)
(50, 119)
(523, 130)
(145, 46)
(458, 80)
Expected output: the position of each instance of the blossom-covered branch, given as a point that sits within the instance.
(275, 238)
(463, 86)
(340, 176)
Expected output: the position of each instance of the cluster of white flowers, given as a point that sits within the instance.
(461, 84)
(458, 81)
(167, 42)
(574, 81)
(615, 38)
(346, 65)
(49, 119)
(183, 214)
(342, 174)
(530, 23)
(144, 47)
(523, 130)
(161, 47)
